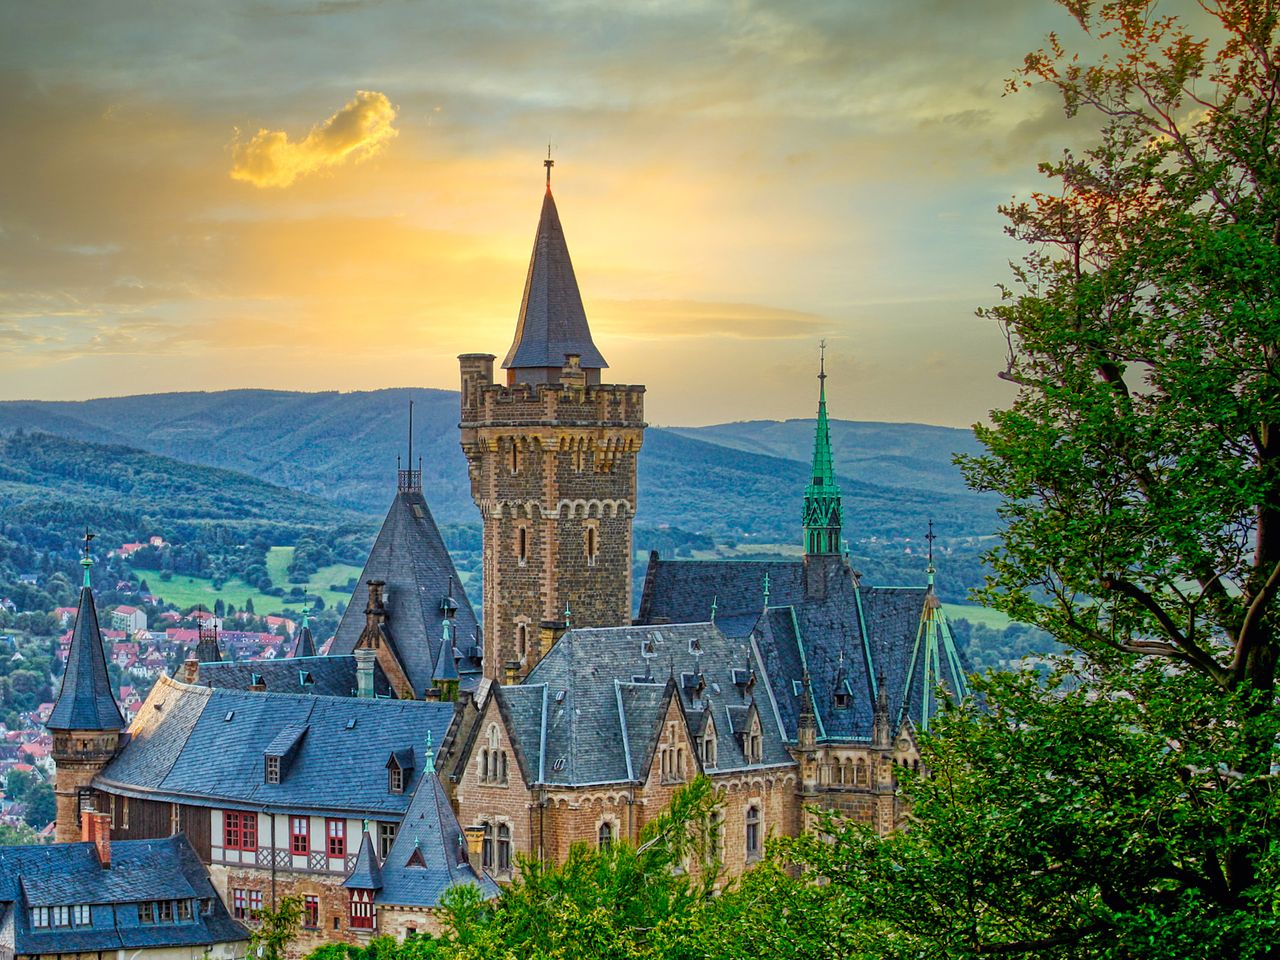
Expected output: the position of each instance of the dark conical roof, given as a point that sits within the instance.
(410, 557)
(305, 644)
(446, 662)
(366, 874)
(429, 854)
(552, 322)
(85, 701)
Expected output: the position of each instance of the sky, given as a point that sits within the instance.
(342, 195)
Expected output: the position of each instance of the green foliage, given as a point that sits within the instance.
(276, 930)
(20, 835)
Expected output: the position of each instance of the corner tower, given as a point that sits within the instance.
(552, 459)
(85, 721)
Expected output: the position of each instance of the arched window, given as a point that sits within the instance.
(709, 749)
(522, 544)
(486, 849)
(605, 836)
(504, 847)
(753, 832)
(515, 456)
(714, 828)
(502, 766)
(593, 546)
(522, 640)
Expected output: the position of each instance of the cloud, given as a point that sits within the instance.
(357, 131)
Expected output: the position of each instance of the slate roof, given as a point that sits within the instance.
(305, 644)
(202, 746)
(552, 322)
(591, 711)
(85, 700)
(849, 635)
(409, 555)
(68, 874)
(367, 873)
(429, 827)
(331, 676)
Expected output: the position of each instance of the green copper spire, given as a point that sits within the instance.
(823, 513)
(87, 561)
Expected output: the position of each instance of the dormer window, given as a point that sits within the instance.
(709, 748)
(842, 700)
(272, 771)
(399, 768)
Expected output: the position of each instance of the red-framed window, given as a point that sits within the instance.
(361, 910)
(300, 835)
(255, 903)
(336, 837)
(239, 830)
(240, 904)
(311, 911)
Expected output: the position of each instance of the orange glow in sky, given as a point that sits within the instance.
(343, 195)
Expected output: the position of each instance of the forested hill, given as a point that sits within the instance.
(51, 483)
(729, 481)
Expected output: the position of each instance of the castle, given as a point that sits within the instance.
(430, 748)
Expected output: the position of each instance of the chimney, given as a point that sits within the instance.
(374, 610)
(364, 671)
(190, 672)
(95, 828)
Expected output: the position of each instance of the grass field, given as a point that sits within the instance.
(184, 591)
(975, 614)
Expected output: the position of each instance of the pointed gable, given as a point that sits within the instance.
(410, 558)
(85, 701)
(552, 323)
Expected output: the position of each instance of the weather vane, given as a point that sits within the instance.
(822, 359)
(548, 163)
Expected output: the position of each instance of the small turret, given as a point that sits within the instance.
(207, 649)
(305, 644)
(823, 511)
(86, 721)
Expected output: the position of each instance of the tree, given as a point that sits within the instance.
(276, 930)
(1125, 806)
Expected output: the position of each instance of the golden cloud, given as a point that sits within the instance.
(355, 132)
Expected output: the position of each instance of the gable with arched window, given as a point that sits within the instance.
(491, 759)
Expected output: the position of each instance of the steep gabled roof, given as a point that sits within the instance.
(410, 557)
(429, 854)
(85, 700)
(552, 322)
(328, 676)
(591, 711)
(847, 634)
(191, 744)
(66, 874)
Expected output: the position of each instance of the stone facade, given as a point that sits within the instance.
(553, 473)
(79, 756)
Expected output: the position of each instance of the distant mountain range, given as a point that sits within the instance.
(730, 481)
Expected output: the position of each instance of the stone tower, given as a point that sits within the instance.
(552, 460)
(85, 721)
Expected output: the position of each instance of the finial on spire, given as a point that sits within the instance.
(306, 614)
(446, 631)
(548, 163)
(766, 589)
(87, 561)
(430, 765)
(715, 605)
(929, 538)
(822, 361)
(568, 616)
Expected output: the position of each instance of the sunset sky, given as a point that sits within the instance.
(343, 194)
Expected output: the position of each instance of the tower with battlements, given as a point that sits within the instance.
(552, 460)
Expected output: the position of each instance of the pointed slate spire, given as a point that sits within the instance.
(367, 873)
(823, 511)
(935, 659)
(446, 661)
(553, 324)
(85, 700)
(305, 644)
